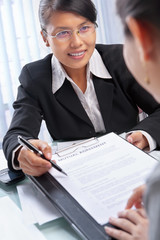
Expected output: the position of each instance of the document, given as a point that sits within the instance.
(102, 174)
(35, 206)
(12, 225)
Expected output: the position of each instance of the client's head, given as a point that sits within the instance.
(141, 21)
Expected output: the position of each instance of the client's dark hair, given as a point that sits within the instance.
(144, 10)
(84, 8)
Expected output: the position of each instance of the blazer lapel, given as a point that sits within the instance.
(68, 98)
(104, 92)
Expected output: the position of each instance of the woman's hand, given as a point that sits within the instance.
(133, 225)
(138, 140)
(32, 164)
(136, 199)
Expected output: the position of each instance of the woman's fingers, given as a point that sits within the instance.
(32, 164)
(44, 147)
(138, 139)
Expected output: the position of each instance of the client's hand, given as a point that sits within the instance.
(138, 139)
(32, 164)
(133, 225)
(136, 199)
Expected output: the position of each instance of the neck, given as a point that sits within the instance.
(78, 76)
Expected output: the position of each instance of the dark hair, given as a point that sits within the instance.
(84, 8)
(144, 10)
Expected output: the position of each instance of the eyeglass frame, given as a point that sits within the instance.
(72, 31)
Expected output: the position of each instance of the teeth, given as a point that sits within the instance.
(77, 54)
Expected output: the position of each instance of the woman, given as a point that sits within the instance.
(81, 90)
(141, 21)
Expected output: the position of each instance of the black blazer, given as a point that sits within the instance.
(63, 113)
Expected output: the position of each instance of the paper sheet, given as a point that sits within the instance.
(102, 175)
(36, 207)
(12, 224)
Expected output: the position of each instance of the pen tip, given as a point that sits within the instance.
(64, 173)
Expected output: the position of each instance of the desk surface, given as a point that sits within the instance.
(58, 229)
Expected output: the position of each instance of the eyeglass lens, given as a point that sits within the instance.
(83, 32)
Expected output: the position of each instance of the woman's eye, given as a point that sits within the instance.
(63, 34)
(84, 29)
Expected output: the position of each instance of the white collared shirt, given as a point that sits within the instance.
(88, 99)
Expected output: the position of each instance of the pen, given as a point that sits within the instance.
(31, 147)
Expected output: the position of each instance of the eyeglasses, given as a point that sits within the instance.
(83, 32)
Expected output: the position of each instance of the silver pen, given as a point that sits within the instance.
(31, 147)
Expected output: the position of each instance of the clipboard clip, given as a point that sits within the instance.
(75, 146)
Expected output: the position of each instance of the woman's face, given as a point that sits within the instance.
(151, 69)
(75, 52)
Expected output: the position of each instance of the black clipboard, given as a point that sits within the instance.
(71, 210)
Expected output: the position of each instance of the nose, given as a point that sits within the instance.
(75, 40)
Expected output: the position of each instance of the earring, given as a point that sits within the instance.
(146, 79)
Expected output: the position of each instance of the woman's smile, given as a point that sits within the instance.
(77, 55)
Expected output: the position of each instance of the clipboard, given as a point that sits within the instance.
(71, 210)
(81, 221)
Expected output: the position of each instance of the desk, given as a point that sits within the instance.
(58, 229)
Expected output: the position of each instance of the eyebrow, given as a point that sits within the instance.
(64, 28)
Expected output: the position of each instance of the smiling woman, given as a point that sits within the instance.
(19, 27)
(81, 90)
